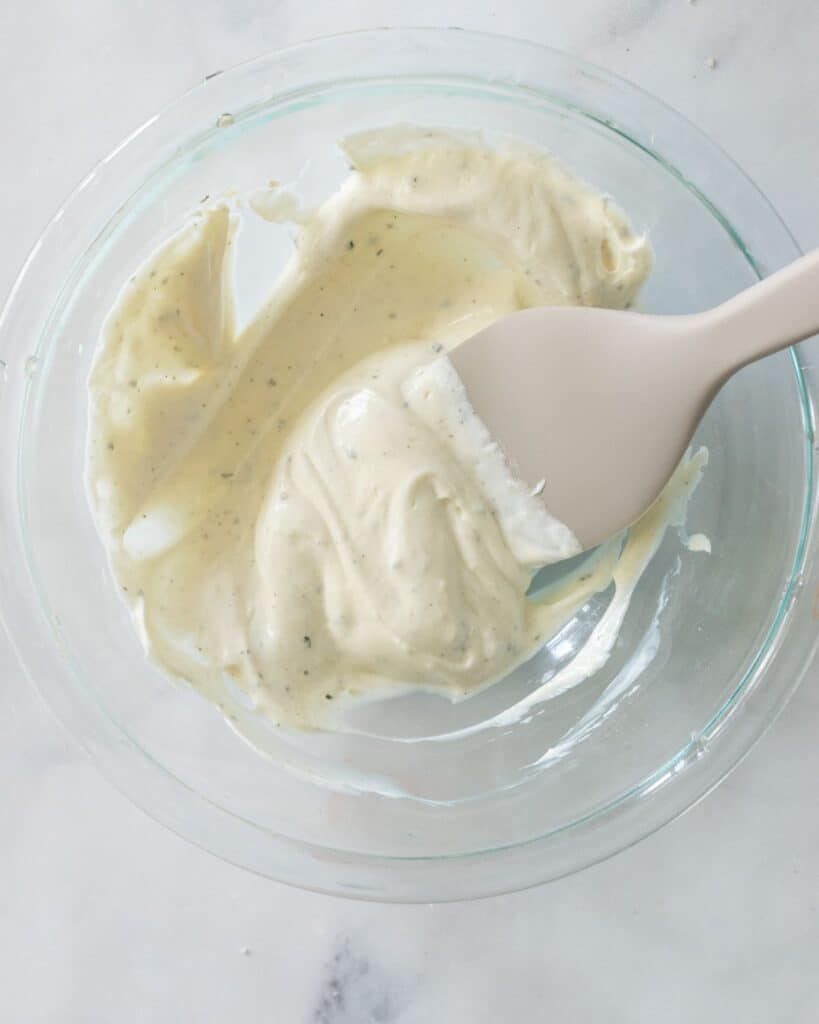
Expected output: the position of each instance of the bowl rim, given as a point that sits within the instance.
(625, 819)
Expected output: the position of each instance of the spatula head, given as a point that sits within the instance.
(597, 405)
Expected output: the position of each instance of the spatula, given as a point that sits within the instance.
(602, 404)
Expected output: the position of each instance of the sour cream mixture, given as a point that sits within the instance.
(306, 510)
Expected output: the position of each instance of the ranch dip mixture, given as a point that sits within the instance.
(304, 511)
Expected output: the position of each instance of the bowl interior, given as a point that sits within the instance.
(698, 628)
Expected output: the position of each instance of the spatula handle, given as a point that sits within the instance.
(779, 311)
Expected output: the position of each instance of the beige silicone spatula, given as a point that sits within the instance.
(601, 405)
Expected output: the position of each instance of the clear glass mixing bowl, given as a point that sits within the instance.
(712, 646)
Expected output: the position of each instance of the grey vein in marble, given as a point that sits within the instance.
(356, 990)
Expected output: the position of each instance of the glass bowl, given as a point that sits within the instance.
(712, 645)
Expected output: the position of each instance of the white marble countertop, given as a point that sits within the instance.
(105, 916)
